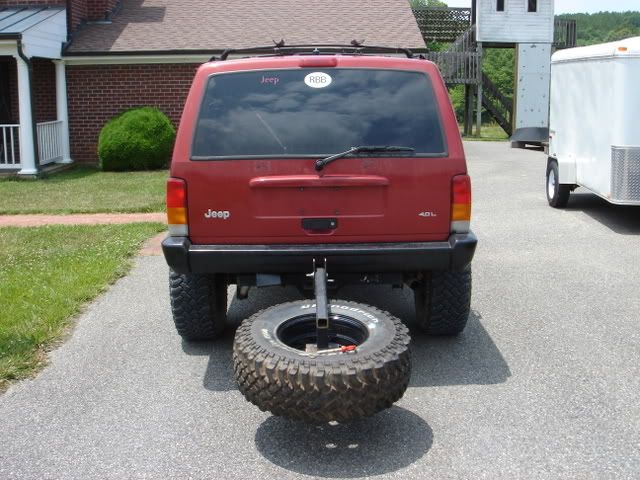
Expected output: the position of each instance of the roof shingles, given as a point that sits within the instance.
(204, 25)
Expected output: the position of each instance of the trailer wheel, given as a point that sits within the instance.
(557, 193)
(443, 302)
(198, 305)
(275, 372)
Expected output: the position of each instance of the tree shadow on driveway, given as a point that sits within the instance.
(472, 358)
(391, 440)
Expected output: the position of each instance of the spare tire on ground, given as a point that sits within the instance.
(277, 373)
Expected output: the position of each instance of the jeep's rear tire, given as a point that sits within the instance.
(277, 375)
(198, 304)
(443, 302)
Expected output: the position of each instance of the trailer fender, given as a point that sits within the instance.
(566, 169)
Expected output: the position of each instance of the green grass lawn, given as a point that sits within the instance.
(85, 189)
(47, 274)
(489, 132)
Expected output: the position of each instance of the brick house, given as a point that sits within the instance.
(67, 67)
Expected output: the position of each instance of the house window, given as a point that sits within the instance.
(500, 5)
(532, 6)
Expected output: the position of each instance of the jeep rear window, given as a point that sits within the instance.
(287, 113)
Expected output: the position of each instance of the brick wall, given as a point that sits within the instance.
(97, 9)
(24, 3)
(44, 90)
(11, 81)
(78, 12)
(82, 10)
(13, 90)
(96, 93)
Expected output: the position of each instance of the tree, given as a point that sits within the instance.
(605, 26)
(427, 3)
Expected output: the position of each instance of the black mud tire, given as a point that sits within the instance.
(327, 387)
(557, 193)
(198, 305)
(443, 302)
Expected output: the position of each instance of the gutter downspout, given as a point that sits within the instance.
(34, 126)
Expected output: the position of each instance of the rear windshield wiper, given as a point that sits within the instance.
(320, 163)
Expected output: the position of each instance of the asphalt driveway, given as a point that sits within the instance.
(543, 383)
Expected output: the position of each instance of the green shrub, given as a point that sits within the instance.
(138, 139)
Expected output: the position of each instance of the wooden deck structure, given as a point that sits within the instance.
(461, 62)
(442, 24)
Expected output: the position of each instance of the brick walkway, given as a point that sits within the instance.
(80, 219)
(150, 247)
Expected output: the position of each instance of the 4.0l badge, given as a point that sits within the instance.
(428, 214)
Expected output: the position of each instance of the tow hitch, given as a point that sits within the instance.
(322, 305)
(323, 343)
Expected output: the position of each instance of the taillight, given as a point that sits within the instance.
(460, 204)
(177, 207)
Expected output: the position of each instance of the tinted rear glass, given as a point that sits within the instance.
(280, 113)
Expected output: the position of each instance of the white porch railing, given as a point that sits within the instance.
(9, 145)
(50, 144)
(50, 141)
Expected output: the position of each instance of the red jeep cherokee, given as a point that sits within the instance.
(340, 163)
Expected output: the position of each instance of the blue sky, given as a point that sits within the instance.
(576, 6)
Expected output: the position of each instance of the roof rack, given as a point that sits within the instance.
(280, 49)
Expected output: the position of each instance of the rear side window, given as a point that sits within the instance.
(302, 112)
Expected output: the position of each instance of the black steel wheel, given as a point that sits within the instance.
(365, 370)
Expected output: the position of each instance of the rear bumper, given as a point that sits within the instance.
(454, 254)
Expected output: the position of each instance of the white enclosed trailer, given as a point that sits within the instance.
(594, 124)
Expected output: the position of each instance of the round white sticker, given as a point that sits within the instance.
(318, 80)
